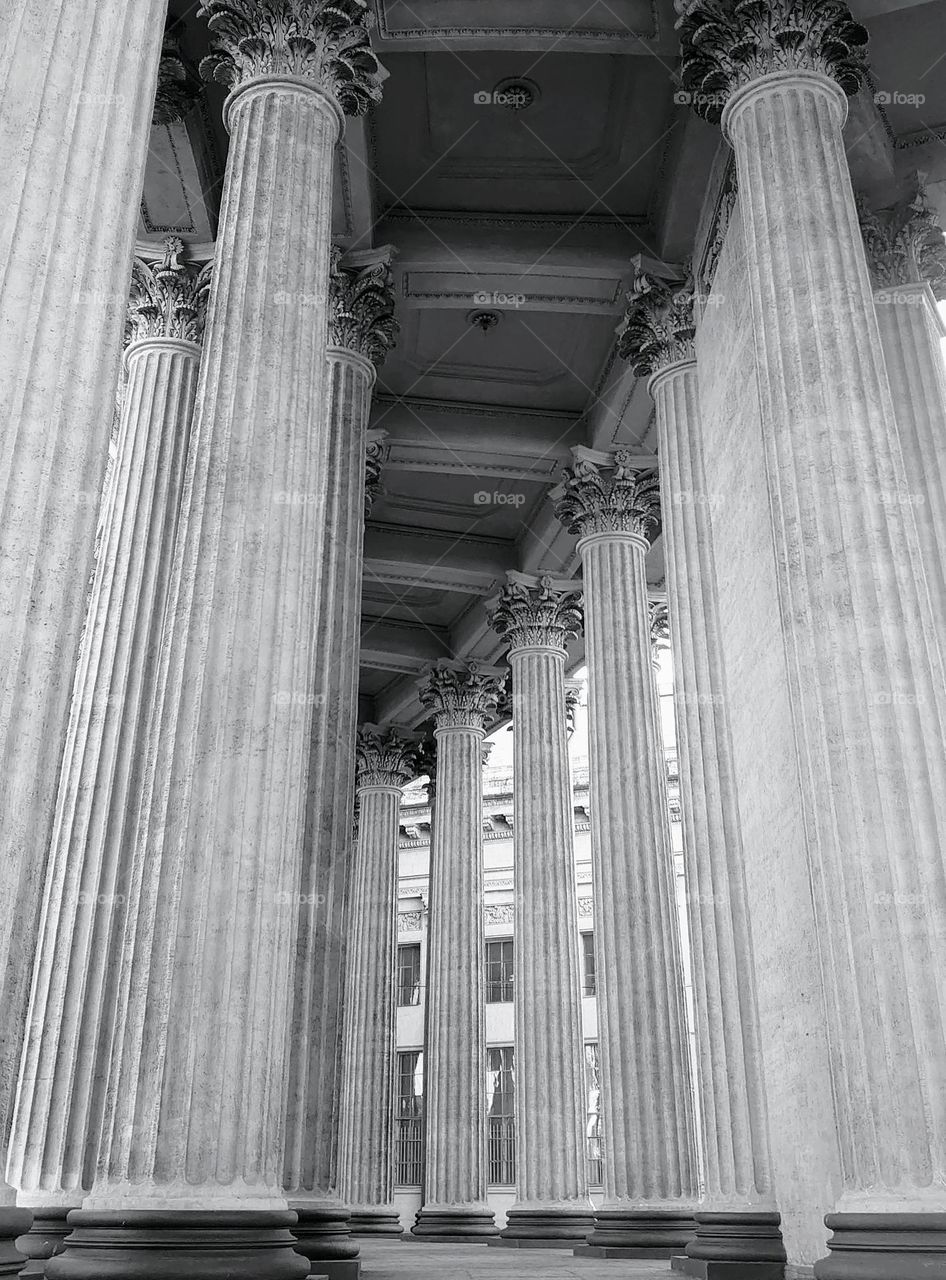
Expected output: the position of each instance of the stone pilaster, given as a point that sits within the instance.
(537, 616)
(194, 1125)
(865, 671)
(385, 764)
(75, 111)
(58, 1113)
(361, 328)
(462, 699)
(649, 1159)
(906, 255)
(737, 1221)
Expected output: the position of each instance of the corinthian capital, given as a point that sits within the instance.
(176, 92)
(324, 41)
(168, 299)
(904, 245)
(658, 326)
(726, 44)
(376, 452)
(607, 493)
(536, 611)
(461, 695)
(361, 299)
(659, 627)
(383, 758)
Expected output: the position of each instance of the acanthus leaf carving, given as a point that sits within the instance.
(376, 452)
(610, 496)
(659, 325)
(460, 695)
(362, 307)
(904, 245)
(168, 299)
(383, 758)
(177, 91)
(323, 41)
(536, 613)
(726, 44)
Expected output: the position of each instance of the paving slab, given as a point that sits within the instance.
(395, 1260)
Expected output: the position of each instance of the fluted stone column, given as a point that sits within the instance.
(537, 616)
(906, 255)
(362, 327)
(385, 764)
(865, 672)
(646, 1102)
(77, 80)
(737, 1220)
(461, 698)
(192, 1155)
(58, 1113)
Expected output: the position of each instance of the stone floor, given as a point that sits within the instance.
(396, 1260)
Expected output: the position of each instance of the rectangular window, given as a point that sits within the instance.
(589, 981)
(593, 1115)
(499, 971)
(408, 974)
(501, 1104)
(409, 1119)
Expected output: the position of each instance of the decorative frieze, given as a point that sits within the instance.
(529, 612)
(383, 758)
(322, 41)
(460, 695)
(410, 922)
(177, 91)
(362, 305)
(168, 299)
(605, 493)
(500, 913)
(659, 325)
(904, 245)
(726, 44)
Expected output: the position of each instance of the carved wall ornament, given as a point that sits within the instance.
(410, 922)
(501, 913)
(726, 44)
(177, 89)
(904, 244)
(608, 494)
(325, 41)
(376, 452)
(384, 757)
(460, 695)
(659, 325)
(361, 301)
(541, 612)
(168, 299)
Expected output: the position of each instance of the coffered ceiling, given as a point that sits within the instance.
(521, 158)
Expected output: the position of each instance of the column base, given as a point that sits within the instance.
(878, 1246)
(44, 1239)
(728, 1246)
(375, 1222)
(454, 1226)
(167, 1244)
(323, 1237)
(14, 1224)
(624, 1233)
(545, 1228)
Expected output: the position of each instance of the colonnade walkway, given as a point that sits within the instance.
(399, 1260)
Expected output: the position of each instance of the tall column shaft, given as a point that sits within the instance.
(737, 1220)
(311, 1165)
(867, 689)
(865, 673)
(646, 1091)
(455, 1043)
(60, 1095)
(911, 333)
(366, 1157)
(77, 81)
(551, 1180)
